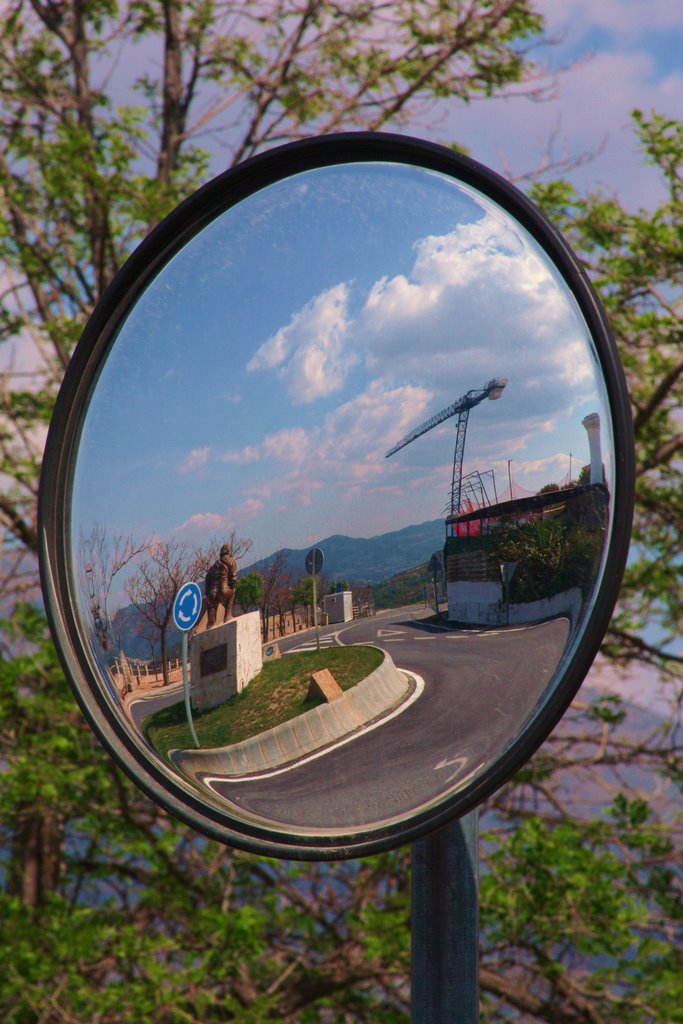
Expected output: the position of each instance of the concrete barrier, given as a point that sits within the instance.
(374, 697)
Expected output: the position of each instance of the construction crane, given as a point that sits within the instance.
(460, 408)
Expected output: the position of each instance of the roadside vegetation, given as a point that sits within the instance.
(112, 911)
(403, 588)
(277, 694)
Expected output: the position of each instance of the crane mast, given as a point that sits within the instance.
(460, 408)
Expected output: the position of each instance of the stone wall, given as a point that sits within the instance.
(223, 660)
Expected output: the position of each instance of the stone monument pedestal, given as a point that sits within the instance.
(223, 660)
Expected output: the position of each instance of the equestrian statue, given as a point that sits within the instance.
(220, 586)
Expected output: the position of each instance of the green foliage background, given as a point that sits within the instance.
(112, 912)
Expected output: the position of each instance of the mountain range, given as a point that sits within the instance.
(370, 560)
(366, 559)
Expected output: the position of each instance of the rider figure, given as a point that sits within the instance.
(220, 586)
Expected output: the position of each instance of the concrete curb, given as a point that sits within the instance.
(374, 697)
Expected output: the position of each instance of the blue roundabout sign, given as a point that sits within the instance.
(187, 606)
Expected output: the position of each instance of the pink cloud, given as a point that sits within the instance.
(202, 522)
(195, 461)
(250, 453)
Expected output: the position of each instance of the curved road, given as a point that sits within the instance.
(480, 687)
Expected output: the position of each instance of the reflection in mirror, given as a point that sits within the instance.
(375, 359)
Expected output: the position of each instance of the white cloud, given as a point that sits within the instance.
(340, 462)
(309, 351)
(372, 421)
(246, 511)
(479, 301)
(626, 20)
(590, 112)
(289, 445)
(554, 468)
(204, 524)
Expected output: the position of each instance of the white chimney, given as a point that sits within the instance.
(592, 424)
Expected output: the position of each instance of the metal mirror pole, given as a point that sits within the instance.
(186, 692)
(445, 925)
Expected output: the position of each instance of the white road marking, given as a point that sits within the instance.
(419, 687)
(310, 645)
(460, 763)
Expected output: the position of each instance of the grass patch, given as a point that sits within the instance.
(276, 695)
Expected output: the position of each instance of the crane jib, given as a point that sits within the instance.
(463, 404)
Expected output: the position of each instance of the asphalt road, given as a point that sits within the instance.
(142, 707)
(480, 688)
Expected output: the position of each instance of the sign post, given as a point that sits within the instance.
(445, 924)
(507, 571)
(187, 609)
(435, 567)
(314, 563)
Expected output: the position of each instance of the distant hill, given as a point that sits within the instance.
(406, 587)
(399, 558)
(367, 559)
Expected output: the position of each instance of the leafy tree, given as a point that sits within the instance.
(634, 261)
(249, 590)
(302, 592)
(343, 584)
(111, 911)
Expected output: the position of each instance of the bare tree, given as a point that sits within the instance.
(154, 585)
(206, 555)
(101, 559)
(275, 577)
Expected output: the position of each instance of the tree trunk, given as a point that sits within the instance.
(36, 855)
(173, 116)
(164, 659)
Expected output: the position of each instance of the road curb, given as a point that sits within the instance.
(376, 696)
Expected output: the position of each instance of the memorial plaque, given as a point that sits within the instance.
(213, 660)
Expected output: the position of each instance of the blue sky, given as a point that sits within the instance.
(274, 361)
(620, 55)
(617, 55)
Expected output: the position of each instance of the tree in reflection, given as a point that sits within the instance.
(153, 586)
(248, 591)
(551, 557)
(101, 558)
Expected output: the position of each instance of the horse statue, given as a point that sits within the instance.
(220, 586)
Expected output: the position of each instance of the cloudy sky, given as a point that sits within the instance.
(187, 458)
(328, 402)
(626, 54)
(271, 365)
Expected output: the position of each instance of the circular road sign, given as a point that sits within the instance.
(314, 561)
(187, 606)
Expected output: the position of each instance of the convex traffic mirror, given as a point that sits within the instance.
(359, 336)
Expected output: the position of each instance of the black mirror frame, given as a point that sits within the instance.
(167, 238)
